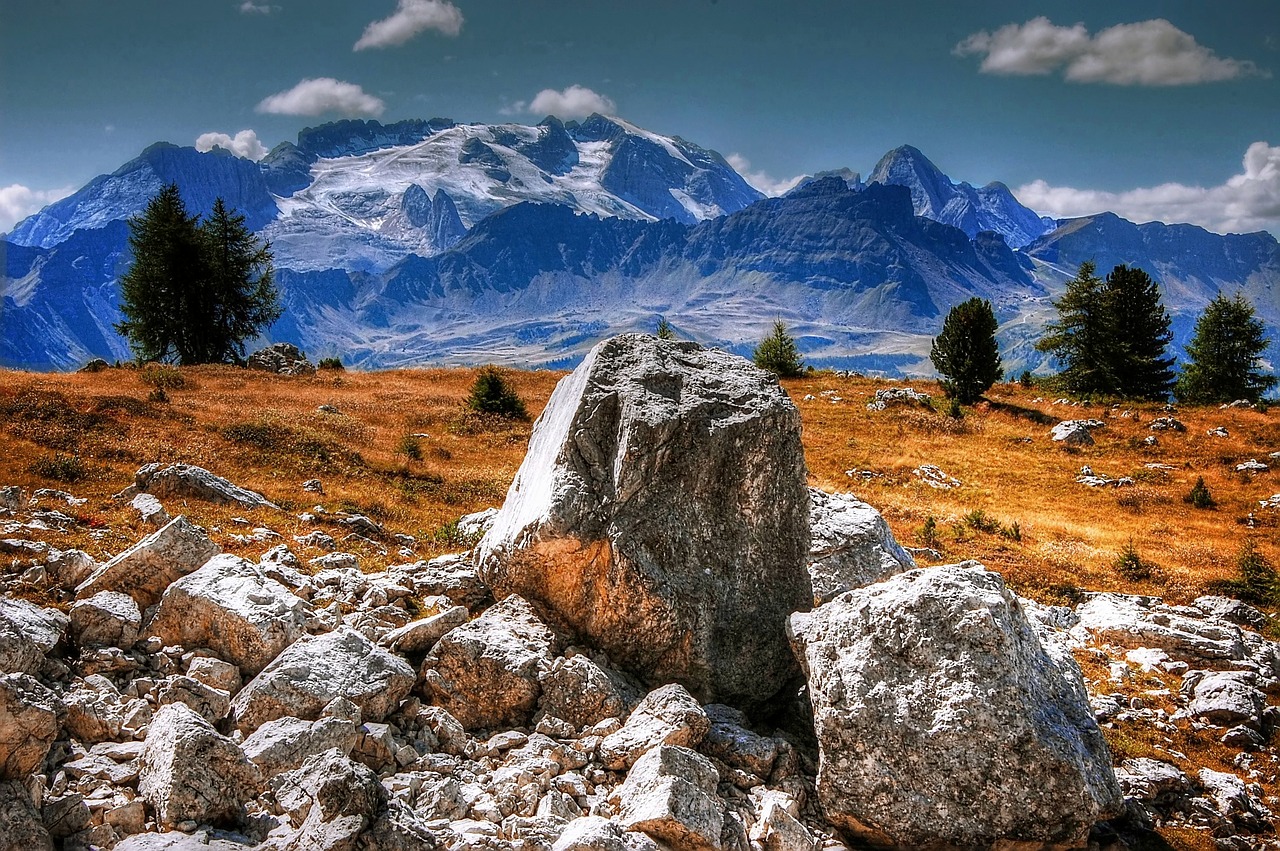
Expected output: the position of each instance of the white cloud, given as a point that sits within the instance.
(244, 144)
(18, 201)
(248, 7)
(1247, 202)
(572, 102)
(770, 186)
(1146, 53)
(320, 95)
(410, 18)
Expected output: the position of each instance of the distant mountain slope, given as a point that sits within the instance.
(125, 192)
(991, 207)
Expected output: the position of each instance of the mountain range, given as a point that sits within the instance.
(437, 242)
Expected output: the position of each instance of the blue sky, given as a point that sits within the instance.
(1164, 111)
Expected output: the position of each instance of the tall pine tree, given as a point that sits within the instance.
(1222, 357)
(1139, 336)
(195, 292)
(1080, 338)
(165, 243)
(778, 353)
(966, 353)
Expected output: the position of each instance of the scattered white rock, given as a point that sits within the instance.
(149, 509)
(850, 545)
(666, 716)
(188, 480)
(934, 477)
(147, 568)
(670, 794)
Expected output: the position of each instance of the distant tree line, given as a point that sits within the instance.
(1112, 337)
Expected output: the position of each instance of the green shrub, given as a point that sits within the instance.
(1199, 497)
(929, 533)
(1130, 565)
(778, 353)
(409, 447)
(330, 363)
(979, 521)
(493, 394)
(158, 395)
(61, 468)
(163, 376)
(1013, 531)
(1026, 379)
(1256, 581)
(665, 331)
(954, 410)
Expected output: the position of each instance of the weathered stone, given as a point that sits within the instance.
(592, 833)
(65, 815)
(1224, 698)
(485, 672)
(335, 804)
(1186, 634)
(210, 703)
(1232, 801)
(1151, 780)
(453, 576)
(28, 725)
(317, 669)
(191, 773)
(42, 627)
(148, 567)
(96, 712)
(66, 569)
(581, 692)
(1074, 432)
(200, 840)
(779, 830)
(188, 480)
(421, 635)
(670, 794)
(730, 741)
(282, 359)
(850, 545)
(231, 607)
(149, 509)
(284, 744)
(667, 716)
(21, 828)
(942, 719)
(18, 653)
(107, 619)
(661, 512)
(216, 673)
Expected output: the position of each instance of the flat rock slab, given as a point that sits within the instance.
(188, 480)
(150, 566)
(661, 513)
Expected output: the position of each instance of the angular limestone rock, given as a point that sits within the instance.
(661, 513)
(191, 773)
(231, 607)
(850, 545)
(315, 670)
(28, 725)
(942, 719)
(670, 794)
(188, 480)
(485, 673)
(148, 567)
(107, 619)
(667, 716)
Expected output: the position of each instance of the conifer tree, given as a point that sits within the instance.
(1139, 337)
(778, 353)
(665, 331)
(1078, 338)
(966, 353)
(195, 291)
(1222, 363)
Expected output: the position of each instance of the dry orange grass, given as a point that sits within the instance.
(264, 432)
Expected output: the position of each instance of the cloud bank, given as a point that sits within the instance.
(410, 18)
(572, 102)
(1147, 53)
(321, 95)
(1247, 202)
(770, 186)
(244, 144)
(248, 7)
(18, 201)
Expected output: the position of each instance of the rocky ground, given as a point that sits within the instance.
(663, 639)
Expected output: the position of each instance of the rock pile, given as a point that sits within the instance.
(631, 660)
(282, 359)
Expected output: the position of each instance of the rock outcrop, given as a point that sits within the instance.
(28, 725)
(850, 545)
(232, 608)
(148, 567)
(661, 514)
(188, 480)
(316, 670)
(942, 719)
(282, 359)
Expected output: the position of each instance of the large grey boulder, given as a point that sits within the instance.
(107, 619)
(316, 670)
(188, 480)
(942, 720)
(284, 744)
(28, 725)
(661, 513)
(27, 633)
(850, 545)
(20, 826)
(485, 673)
(148, 567)
(189, 772)
(231, 607)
